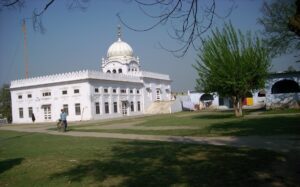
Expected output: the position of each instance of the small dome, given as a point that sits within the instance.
(119, 48)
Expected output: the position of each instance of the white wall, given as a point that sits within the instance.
(56, 100)
(149, 91)
(118, 97)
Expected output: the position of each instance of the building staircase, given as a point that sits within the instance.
(164, 107)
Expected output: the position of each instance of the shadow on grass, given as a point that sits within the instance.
(2, 140)
(9, 163)
(266, 126)
(153, 164)
(214, 116)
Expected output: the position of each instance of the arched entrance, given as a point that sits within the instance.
(285, 86)
(206, 100)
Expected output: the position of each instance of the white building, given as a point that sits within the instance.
(283, 90)
(200, 100)
(120, 89)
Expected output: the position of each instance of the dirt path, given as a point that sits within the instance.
(133, 125)
(277, 143)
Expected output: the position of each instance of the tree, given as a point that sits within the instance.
(294, 21)
(5, 102)
(281, 22)
(232, 64)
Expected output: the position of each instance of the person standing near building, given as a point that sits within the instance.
(33, 117)
(63, 118)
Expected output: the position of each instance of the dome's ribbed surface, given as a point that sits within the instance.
(119, 48)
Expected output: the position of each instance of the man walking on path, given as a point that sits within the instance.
(63, 118)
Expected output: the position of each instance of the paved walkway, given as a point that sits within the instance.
(277, 143)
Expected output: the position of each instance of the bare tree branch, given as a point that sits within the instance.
(37, 13)
(189, 20)
(11, 3)
(45, 8)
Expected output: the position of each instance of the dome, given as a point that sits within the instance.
(119, 48)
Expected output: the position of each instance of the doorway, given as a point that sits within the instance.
(47, 112)
(124, 108)
(158, 94)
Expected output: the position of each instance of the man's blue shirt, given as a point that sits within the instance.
(63, 116)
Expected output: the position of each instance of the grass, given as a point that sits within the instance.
(32, 159)
(282, 111)
(206, 124)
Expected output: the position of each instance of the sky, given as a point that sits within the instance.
(77, 40)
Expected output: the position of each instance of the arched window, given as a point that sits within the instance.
(285, 86)
(261, 93)
(108, 71)
(120, 70)
(114, 71)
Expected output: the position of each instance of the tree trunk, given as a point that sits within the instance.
(237, 105)
(240, 106)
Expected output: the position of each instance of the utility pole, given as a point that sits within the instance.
(25, 48)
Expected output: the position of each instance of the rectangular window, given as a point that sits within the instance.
(77, 109)
(137, 91)
(66, 108)
(139, 106)
(76, 91)
(132, 106)
(123, 90)
(105, 90)
(64, 92)
(130, 91)
(106, 107)
(96, 90)
(114, 90)
(21, 114)
(19, 96)
(45, 94)
(30, 112)
(115, 107)
(29, 96)
(97, 108)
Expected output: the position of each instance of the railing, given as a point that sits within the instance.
(154, 75)
(87, 74)
(71, 76)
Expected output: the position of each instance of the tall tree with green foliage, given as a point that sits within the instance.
(232, 64)
(281, 23)
(5, 102)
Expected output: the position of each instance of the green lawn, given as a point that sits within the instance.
(282, 111)
(32, 159)
(205, 124)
